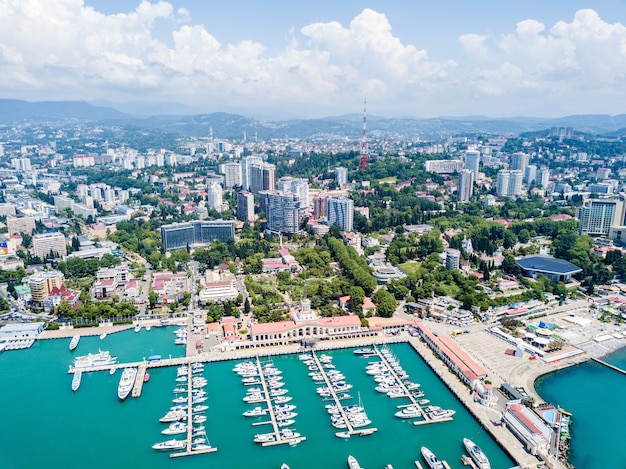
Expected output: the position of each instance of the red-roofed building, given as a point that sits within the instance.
(57, 295)
(529, 428)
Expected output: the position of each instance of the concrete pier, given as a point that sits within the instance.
(141, 373)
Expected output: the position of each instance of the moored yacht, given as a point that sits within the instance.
(74, 342)
(175, 428)
(76, 380)
(409, 412)
(170, 445)
(353, 463)
(127, 381)
(432, 460)
(94, 359)
(476, 454)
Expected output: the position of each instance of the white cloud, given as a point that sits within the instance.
(59, 49)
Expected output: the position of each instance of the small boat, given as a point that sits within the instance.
(103, 335)
(173, 416)
(476, 454)
(112, 370)
(78, 375)
(170, 445)
(180, 341)
(179, 389)
(148, 327)
(284, 466)
(74, 342)
(199, 446)
(146, 377)
(199, 408)
(353, 463)
(175, 428)
(137, 327)
(364, 351)
(256, 412)
(344, 435)
(432, 460)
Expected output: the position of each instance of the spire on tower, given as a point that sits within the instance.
(364, 152)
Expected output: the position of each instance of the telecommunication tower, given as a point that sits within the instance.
(364, 153)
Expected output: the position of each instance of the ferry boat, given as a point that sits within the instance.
(170, 445)
(432, 460)
(78, 375)
(476, 454)
(94, 359)
(127, 381)
(74, 342)
(353, 463)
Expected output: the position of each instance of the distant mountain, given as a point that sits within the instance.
(14, 111)
(150, 116)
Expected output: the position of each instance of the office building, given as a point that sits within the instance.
(466, 185)
(472, 162)
(49, 244)
(282, 210)
(297, 186)
(232, 175)
(245, 206)
(602, 188)
(597, 216)
(246, 170)
(262, 177)
(341, 211)
(443, 166)
(530, 176)
(341, 176)
(215, 198)
(181, 235)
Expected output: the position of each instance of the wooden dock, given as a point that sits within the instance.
(138, 386)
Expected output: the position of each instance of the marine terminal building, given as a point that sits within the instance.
(557, 270)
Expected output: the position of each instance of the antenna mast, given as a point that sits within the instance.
(364, 151)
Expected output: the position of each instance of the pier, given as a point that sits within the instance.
(608, 365)
(141, 373)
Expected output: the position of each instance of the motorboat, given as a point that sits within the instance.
(285, 423)
(148, 327)
(264, 437)
(432, 460)
(353, 463)
(199, 408)
(256, 412)
(285, 415)
(179, 389)
(198, 419)
(423, 401)
(78, 375)
(476, 454)
(112, 370)
(254, 398)
(441, 414)
(146, 377)
(103, 335)
(180, 407)
(284, 466)
(198, 399)
(344, 435)
(173, 416)
(74, 342)
(288, 433)
(175, 428)
(409, 412)
(364, 351)
(94, 359)
(137, 327)
(199, 446)
(278, 392)
(284, 407)
(179, 400)
(180, 341)
(127, 381)
(170, 445)
(281, 399)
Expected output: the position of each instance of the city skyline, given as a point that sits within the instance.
(283, 60)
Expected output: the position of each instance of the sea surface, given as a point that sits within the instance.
(45, 424)
(593, 393)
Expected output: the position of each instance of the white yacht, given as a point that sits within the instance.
(175, 428)
(76, 380)
(476, 454)
(264, 437)
(432, 460)
(256, 412)
(173, 416)
(353, 463)
(409, 412)
(127, 381)
(137, 327)
(74, 342)
(103, 336)
(180, 341)
(170, 445)
(94, 359)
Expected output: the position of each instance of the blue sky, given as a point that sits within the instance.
(318, 58)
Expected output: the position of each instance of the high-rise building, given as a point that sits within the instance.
(603, 173)
(282, 210)
(509, 183)
(598, 215)
(215, 199)
(466, 185)
(341, 176)
(49, 243)
(320, 205)
(543, 177)
(297, 186)
(472, 162)
(519, 161)
(246, 169)
(181, 235)
(232, 175)
(42, 283)
(245, 206)
(17, 225)
(530, 175)
(341, 211)
(453, 259)
(262, 177)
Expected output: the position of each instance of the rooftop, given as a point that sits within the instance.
(548, 264)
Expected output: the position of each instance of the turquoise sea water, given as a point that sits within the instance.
(593, 394)
(45, 424)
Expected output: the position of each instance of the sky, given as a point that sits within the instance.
(285, 59)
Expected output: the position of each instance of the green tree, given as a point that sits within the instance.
(385, 303)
